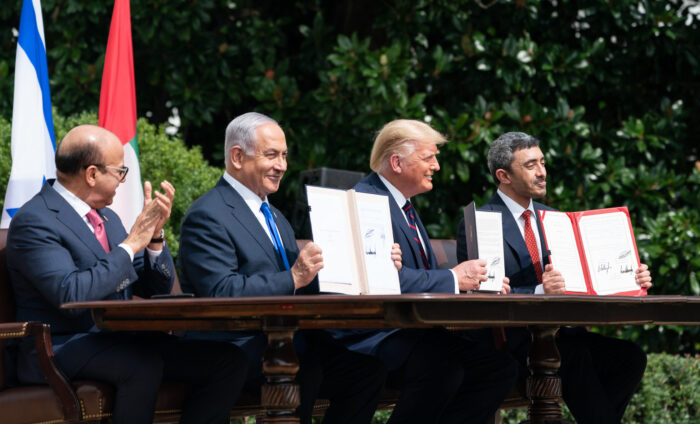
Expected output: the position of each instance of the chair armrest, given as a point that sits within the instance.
(57, 381)
(13, 330)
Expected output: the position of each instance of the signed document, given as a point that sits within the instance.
(594, 250)
(354, 233)
(485, 241)
(563, 248)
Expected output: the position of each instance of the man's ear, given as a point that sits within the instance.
(395, 163)
(502, 176)
(236, 156)
(91, 175)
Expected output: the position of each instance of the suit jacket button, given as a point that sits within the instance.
(123, 285)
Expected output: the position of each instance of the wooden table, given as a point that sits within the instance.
(280, 317)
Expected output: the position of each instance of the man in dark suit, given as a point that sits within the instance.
(443, 378)
(64, 245)
(599, 374)
(234, 243)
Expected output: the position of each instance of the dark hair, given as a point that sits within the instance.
(501, 152)
(71, 160)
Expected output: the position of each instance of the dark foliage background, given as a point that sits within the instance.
(610, 87)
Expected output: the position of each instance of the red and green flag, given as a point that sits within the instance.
(118, 110)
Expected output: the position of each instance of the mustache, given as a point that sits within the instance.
(539, 180)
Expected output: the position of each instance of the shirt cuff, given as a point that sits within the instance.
(454, 277)
(128, 250)
(539, 289)
(153, 254)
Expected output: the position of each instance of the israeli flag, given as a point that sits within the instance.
(33, 139)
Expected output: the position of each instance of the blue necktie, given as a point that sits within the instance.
(410, 216)
(277, 241)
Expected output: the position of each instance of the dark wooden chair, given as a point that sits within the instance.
(60, 401)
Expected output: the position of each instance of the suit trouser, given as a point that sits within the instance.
(135, 364)
(351, 381)
(599, 374)
(448, 379)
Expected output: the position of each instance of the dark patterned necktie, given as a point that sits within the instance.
(411, 217)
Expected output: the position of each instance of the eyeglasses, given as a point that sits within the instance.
(120, 171)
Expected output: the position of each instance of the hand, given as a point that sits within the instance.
(307, 265)
(553, 281)
(643, 277)
(142, 231)
(505, 289)
(470, 274)
(164, 201)
(396, 256)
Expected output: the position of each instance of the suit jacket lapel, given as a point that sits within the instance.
(286, 234)
(432, 260)
(70, 218)
(398, 216)
(511, 232)
(112, 229)
(545, 252)
(242, 213)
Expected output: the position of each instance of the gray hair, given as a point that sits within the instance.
(241, 132)
(502, 149)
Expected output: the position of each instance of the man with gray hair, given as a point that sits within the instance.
(599, 374)
(233, 243)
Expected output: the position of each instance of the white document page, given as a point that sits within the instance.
(489, 235)
(565, 257)
(377, 237)
(610, 252)
(330, 226)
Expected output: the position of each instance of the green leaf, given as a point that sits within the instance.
(344, 42)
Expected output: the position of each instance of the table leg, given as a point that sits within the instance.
(544, 384)
(280, 394)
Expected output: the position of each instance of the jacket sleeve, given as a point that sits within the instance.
(426, 281)
(154, 277)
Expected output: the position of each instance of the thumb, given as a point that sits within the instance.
(548, 267)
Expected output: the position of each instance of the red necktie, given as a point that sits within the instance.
(531, 243)
(99, 227)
